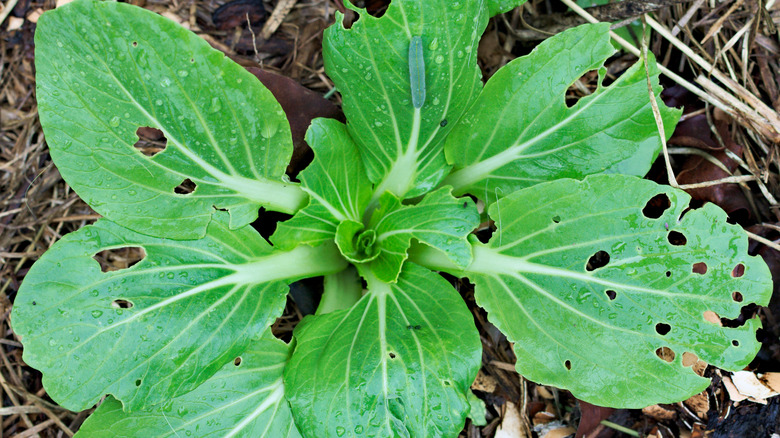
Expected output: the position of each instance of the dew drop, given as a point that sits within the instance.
(340, 431)
(183, 73)
(96, 313)
(114, 122)
(439, 59)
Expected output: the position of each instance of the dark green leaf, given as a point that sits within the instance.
(592, 287)
(104, 69)
(520, 131)
(160, 328)
(370, 65)
(398, 363)
(243, 399)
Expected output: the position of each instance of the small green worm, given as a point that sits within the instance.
(417, 71)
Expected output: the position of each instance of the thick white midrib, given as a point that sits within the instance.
(273, 398)
(293, 196)
(479, 170)
(488, 261)
(302, 261)
(404, 170)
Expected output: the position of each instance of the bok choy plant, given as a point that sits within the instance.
(591, 271)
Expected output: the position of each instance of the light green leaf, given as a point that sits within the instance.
(337, 185)
(478, 410)
(500, 6)
(179, 314)
(243, 399)
(398, 363)
(371, 64)
(439, 220)
(104, 69)
(591, 288)
(520, 131)
(356, 243)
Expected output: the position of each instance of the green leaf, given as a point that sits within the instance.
(336, 182)
(372, 63)
(244, 398)
(439, 220)
(477, 411)
(355, 242)
(104, 69)
(500, 6)
(160, 328)
(520, 131)
(591, 285)
(398, 363)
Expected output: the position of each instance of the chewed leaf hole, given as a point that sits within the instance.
(122, 304)
(699, 268)
(391, 355)
(656, 206)
(689, 359)
(598, 260)
(665, 353)
(237, 361)
(676, 238)
(735, 343)
(668, 274)
(151, 141)
(138, 382)
(662, 328)
(567, 364)
(583, 86)
(556, 219)
(116, 259)
(712, 317)
(738, 271)
(737, 296)
(611, 294)
(185, 188)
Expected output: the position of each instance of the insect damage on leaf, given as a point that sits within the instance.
(166, 303)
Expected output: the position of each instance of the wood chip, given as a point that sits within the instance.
(512, 424)
(660, 413)
(484, 382)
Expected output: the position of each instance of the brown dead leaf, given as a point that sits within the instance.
(591, 417)
(301, 106)
(699, 404)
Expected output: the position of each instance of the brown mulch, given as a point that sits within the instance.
(730, 135)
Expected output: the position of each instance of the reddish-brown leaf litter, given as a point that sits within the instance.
(725, 151)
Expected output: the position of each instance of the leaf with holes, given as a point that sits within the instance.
(404, 78)
(609, 286)
(227, 139)
(244, 398)
(179, 314)
(604, 285)
(398, 363)
(536, 137)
